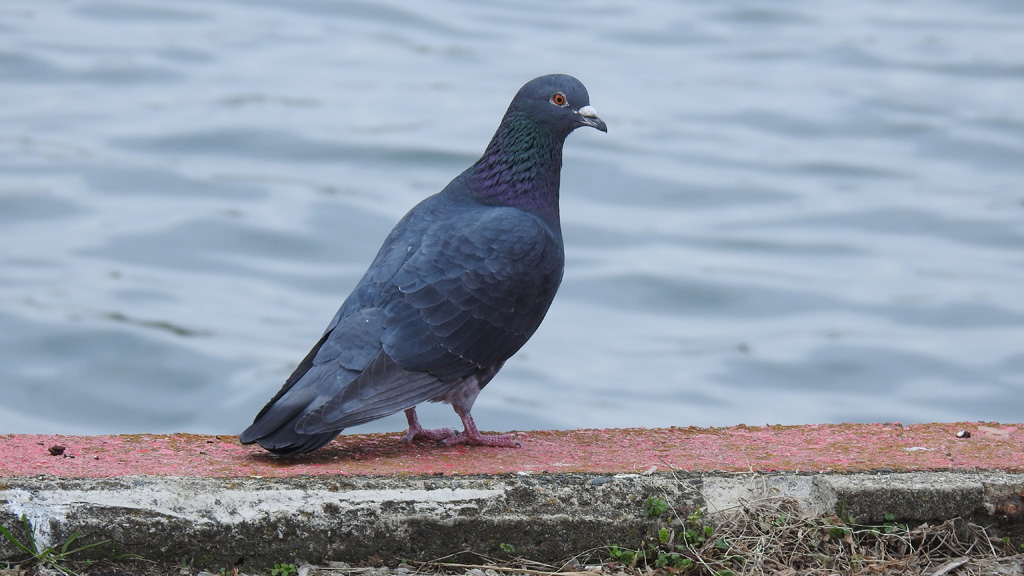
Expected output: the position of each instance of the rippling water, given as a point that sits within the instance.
(801, 213)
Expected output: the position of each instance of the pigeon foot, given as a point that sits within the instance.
(432, 434)
(415, 431)
(470, 435)
(478, 439)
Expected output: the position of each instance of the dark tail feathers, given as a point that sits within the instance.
(284, 439)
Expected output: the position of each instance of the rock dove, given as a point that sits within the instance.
(458, 287)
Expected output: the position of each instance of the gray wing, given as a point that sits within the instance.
(471, 294)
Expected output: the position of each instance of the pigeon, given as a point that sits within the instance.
(459, 285)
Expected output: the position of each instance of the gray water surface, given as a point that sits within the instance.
(802, 213)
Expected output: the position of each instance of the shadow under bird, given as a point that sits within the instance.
(458, 287)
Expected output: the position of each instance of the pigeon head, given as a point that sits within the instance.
(556, 102)
(521, 166)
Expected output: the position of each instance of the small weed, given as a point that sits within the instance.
(654, 507)
(694, 533)
(507, 548)
(891, 525)
(838, 532)
(283, 569)
(52, 557)
(672, 560)
(693, 518)
(623, 556)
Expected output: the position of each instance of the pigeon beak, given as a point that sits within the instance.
(588, 117)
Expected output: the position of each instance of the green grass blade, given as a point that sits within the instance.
(64, 549)
(81, 548)
(29, 535)
(13, 540)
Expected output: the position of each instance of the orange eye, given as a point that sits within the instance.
(558, 99)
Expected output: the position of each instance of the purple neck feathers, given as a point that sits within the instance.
(520, 168)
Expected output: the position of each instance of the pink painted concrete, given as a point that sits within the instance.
(815, 448)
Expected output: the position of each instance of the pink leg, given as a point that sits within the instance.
(416, 431)
(473, 436)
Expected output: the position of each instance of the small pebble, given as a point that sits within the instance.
(56, 450)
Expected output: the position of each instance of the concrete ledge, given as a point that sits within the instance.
(218, 503)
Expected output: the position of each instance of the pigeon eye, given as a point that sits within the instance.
(558, 99)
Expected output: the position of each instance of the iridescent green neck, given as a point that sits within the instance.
(520, 167)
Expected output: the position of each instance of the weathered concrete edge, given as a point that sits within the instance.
(550, 517)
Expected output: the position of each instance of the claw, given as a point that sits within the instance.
(434, 434)
(470, 435)
(449, 437)
(415, 431)
(478, 439)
